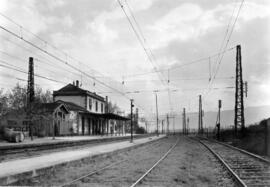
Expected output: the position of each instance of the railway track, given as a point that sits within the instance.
(246, 168)
(110, 166)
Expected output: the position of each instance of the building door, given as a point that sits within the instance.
(89, 126)
(83, 126)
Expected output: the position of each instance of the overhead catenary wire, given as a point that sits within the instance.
(151, 57)
(140, 40)
(42, 40)
(182, 65)
(226, 44)
(40, 58)
(47, 43)
(230, 34)
(22, 60)
(181, 79)
(15, 68)
(151, 53)
(227, 29)
(61, 60)
(165, 90)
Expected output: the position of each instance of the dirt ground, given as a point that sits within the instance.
(189, 164)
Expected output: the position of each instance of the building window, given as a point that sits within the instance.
(96, 106)
(90, 104)
(101, 107)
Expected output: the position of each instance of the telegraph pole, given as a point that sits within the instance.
(187, 125)
(173, 126)
(131, 120)
(31, 94)
(218, 120)
(239, 120)
(162, 130)
(157, 113)
(184, 122)
(200, 129)
(168, 124)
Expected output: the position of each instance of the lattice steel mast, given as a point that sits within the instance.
(239, 120)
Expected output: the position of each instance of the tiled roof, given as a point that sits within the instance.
(48, 107)
(72, 106)
(73, 90)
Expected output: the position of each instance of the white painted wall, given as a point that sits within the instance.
(80, 100)
(93, 109)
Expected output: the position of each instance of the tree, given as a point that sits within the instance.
(113, 108)
(140, 130)
(17, 97)
(3, 102)
(41, 96)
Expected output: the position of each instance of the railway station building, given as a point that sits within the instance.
(88, 112)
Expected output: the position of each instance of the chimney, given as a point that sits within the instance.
(77, 83)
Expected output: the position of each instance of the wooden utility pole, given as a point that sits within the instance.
(187, 125)
(168, 131)
(131, 120)
(107, 111)
(200, 128)
(218, 120)
(157, 113)
(173, 126)
(162, 130)
(184, 122)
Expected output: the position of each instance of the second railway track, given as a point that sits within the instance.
(246, 169)
(137, 177)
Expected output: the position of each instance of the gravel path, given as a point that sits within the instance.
(189, 164)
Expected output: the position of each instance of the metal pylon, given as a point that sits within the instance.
(239, 120)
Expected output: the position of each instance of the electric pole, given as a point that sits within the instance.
(184, 122)
(168, 124)
(30, 94)
(162, 123)
(239, 120)
(173, 126)
(218, 120)
(187, 125)
(200, 129)
(131, 120)
(157, 113)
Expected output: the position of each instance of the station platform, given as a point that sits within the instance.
(48, 140)
(14, 170)
(59, 142)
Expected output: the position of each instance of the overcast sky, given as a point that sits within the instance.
(99, 36)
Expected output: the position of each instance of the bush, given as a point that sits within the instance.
(140, 130)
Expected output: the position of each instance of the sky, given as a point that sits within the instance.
(96, 38)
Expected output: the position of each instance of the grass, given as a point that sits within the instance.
(253, 139)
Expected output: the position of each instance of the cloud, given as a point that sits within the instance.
(98, 33)
(137, 5)
(68, 21)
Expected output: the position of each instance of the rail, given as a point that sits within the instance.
(91, 173)
(235, 176)
(148, 171)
